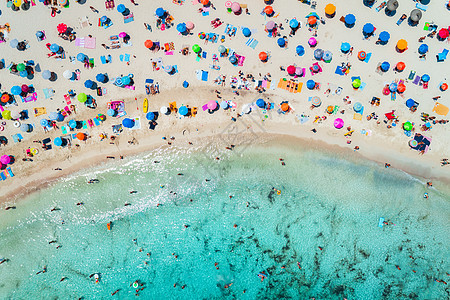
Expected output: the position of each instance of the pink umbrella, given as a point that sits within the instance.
(235, 7)
(338, 123)
(443, 33)
(122, 34)
(25, 88)
(291, 70)
(312, 42)
(270, 25)
(228, 4)
(5, 159)
(189, 25)
(212, 105)
(298, 71)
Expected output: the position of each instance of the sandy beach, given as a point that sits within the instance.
(375, 140)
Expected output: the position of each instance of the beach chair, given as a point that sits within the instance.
(91, 124)
(129, 18)
(442, 56)
(38, 111)
(84, 22)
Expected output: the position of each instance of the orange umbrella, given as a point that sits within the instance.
(444, 87)
(312, 20)
(263, 56)
(81, 136)
(4, 98)
(401, 88)
(330, 9)
(330, 109)
(400, 66)
(268, 10)
(148, 44)
(402, 45)
(205, 2)
(284, 107)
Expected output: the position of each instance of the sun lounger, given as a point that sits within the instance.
(442, 56)
(129, 18)
(91, 124)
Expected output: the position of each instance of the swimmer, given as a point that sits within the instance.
(127, 204)
(51, 242)
(228, 285)
(59, 246)
(10, 207)
(115, 292)
(182, 287)
(320, 248)
(93, 181)
(156, 162)
(180, 174)
(62, 279)
(54, 208)
(398, 267)
(133, 192)
(80, 203)
(298, 265)
(425, 195)
(429, 184)
(386, 165)
(3, 260)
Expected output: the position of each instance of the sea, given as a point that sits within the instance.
(260, 221)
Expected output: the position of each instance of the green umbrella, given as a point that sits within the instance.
(6, 114)
(196, 48)
(82, 97)
(407, 126)
(356, 83)
(20, 67)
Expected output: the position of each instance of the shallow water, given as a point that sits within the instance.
(322, 229)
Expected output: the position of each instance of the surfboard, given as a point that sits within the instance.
(108, 226)
(145, 106)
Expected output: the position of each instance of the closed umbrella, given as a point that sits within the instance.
(212, 105)
(423, 49)
(246, 32)
(281, 42)
(310, 84)
(385, 66)
(260, 103)
(16, 90)
(300, 50)
(293, 23)
(183, 110)
(384, 37)
(150, 116)
(425, 78)
(318, 53)
(345, 47)
(128, 123)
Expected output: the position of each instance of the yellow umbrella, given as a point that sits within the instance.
(17, 3)
(330, 9)
(6, 114)
(402, 44)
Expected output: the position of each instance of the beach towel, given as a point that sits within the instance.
(85, 126)
(79, 42)
(440, 109)
(103, 59)
(89, 43)
(339, 71)
(64, 129)
(416, 80)
(38, 111)
(129, 18)
(252, 43)
(29, 98)
(48, 93)
(442, 56)
(368, 56)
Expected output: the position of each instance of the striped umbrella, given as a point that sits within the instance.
(315, 101)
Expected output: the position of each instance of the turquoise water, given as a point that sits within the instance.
(324, 220)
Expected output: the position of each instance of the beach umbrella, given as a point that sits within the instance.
(160, 12)
(190, 25)
(330, 10)
(183, 110)
(315, 68)
(104, 19)
(270, 25)
(268, 10)
(310, 84)
(82, 97)
(88, 84)
(443, 87)
(246, 109)
(5, 159)
(63, 3)
(425, 77)
(392, 5)
(362, 55)
(416, 15)
(58, 141)
(298, 71)
(212, 105)
(260, 103)
(368, 28)
(384, 66)
(100, 77)
(4, 98)
(281, 42)
(410, 103)
(67, 74)
(196, 48)
(126, 80)
(81, 57)
(393, 87)
(246, 32)
(164, 110)
(202, 35)
(423, 49)
(185, 84)
(54, 48)
(407, 126)
(356, 83)
(349, 20)
(21, 67)
(181, 27)
(235, 7)
(81, 136)
(338, 123)
(357, 106)
(121, 8)
(263, 56)
(44, 122)
(300, 50)
(6, 114)
(25, 88)
(384, 37)
(327, 56)
(401, 88)
(61, 27)
(312, 41)
(318, 53)
(111, 112)
(284, 107)
(15, 115)
(400, 66)
(39, 34)
(72, 124)
(291, 70)
(233, 59)
(122, 34)
(413, 143)
(293, 23)
(205, 2)
(148, 44)
(128, 123)
(13, 43)
(25, 128)
(168, 68)
(312, 20)
(222, 49)
(330, 109)
(316, 102)
(345, 47)
(23, 73)
(443, 33)
(150, 116)
(224, 104)
(118, 81)
(16, 90)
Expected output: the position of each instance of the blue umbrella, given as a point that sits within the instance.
(260, 103)
(425, 78)
(350, 20)
(44, 122)
(318, 54)
(88, 84)
(185, 84)
(46, 74)
(310, 84)
(126, 80)
(183, 110)
(327, 56)
(81, 57)
(25, 127)
(385, 66)
(16, 90)
(293, 23)
(345, 47)
(160, 12)
(281, 42)
(58, 142)
(118, 82)
(368, 28)
(233, 59)
(181, 27)
(246, 32)
(53, 116)
(100, 77)
(13, 43)
(357, 106)
(393, 87)
(300, 50)
(72, 124)
(423, 49)
(150, 116)
(410, 103)
(128, 123)
(54, 47)
(384, 37)
(39, 34)
(224, 104)
(23, 73)
(111, 112)
(121, 8)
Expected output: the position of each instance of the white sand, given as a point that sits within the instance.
(383, 145)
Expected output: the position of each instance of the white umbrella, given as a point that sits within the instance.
(67, 74)
(164, 110)
(246, 109)
(15, 115)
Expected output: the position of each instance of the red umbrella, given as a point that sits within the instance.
(263, 56)
(25, 88)
(443, 33)
(61, 28)
(291, 70)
